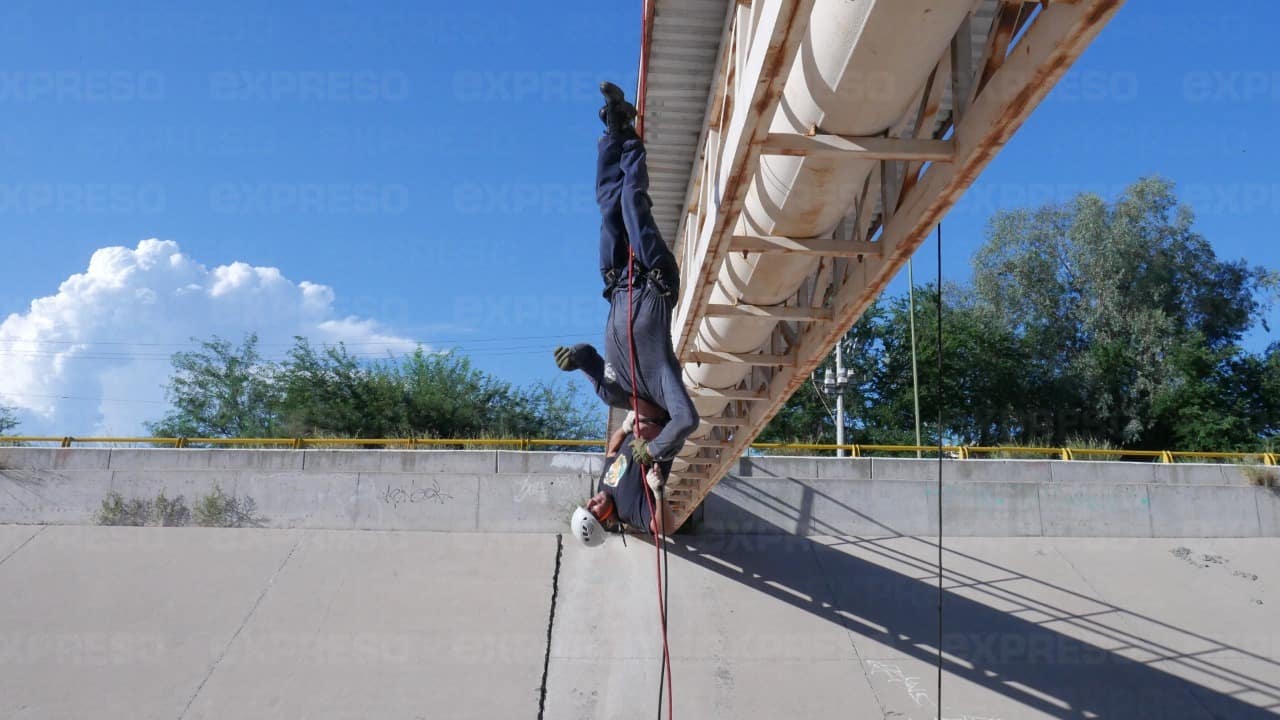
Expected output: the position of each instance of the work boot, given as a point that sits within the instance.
(612, 93)
(617, 114)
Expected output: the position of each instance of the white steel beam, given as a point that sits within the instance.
(987, 115)
(872, 148)
(777, 37)
(824, 247)
(729, 394)
(719, 356)
(781, 312)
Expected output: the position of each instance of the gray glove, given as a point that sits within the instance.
(640, 451)
(657, 482)
(565, 359)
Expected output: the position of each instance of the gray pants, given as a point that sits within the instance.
(658, 379)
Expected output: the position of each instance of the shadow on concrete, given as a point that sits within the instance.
(1010, 649)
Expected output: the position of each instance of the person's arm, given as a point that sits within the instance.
(655, 481)
(615, 442)
(668, 518)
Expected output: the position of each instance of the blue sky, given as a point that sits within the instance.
(433, 167)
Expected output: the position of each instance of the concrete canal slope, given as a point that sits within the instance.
(262, 623)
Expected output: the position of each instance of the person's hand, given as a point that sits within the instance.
(629, 424)
(640, 451)
(657, 481)
(565, 360)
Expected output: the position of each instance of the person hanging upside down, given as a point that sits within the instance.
(626, 497)
(645, 290)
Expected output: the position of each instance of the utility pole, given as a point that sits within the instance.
(915, 375)
(833, 385)
(840, 397)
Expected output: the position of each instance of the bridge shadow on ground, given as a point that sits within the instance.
(1019, 642)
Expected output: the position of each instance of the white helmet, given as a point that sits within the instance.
(586, 528)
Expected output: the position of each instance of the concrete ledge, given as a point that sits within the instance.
(342, 460)
(436, 461)
(512, 462)
(926, 470)
(904, 469)
(843, 469)
(1096, 471)
(271, 460)
(1180, 474)
(778, 467)
(160, 459)
(55, 458)
(1019, 471)
(204, 459)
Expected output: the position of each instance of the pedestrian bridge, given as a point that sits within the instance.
(800, 152)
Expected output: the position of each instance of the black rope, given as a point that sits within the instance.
(939, 469)
(660, 502)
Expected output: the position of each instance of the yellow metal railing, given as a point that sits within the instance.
(303, 443)
(960, 452)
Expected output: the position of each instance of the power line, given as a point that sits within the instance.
(197, 343)
(76, 354)
(82, 397)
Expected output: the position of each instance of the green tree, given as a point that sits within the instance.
(1271, 396)
(551, 411)
(220, 391)
(983, 382)
(809, 415)
(8, 420)
(1121, 308)
(331, 393)
(806, 417)
(447, 397)
(1111, 321)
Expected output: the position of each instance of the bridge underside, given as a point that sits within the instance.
(714, 75)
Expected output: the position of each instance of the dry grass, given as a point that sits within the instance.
(1264, 477)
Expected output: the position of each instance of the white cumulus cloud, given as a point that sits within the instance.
(93, 359)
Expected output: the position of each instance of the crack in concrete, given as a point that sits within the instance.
(24, 544)
(551, 620)
(212, 668)
(848, 631)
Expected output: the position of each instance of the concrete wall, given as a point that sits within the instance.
(497, 491)
(995, 498)
(467, 491)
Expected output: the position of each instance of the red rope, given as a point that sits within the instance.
(654, 522)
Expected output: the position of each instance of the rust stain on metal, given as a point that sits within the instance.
(1015, 112)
